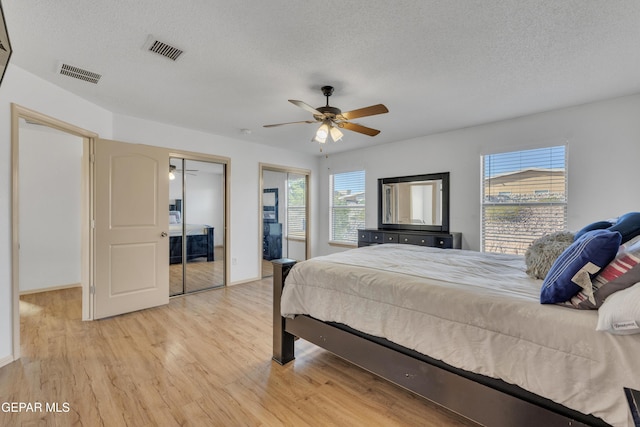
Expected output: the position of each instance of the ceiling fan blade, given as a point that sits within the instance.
(289, 123)
(305, 106)
(359, 128)
(364, 112)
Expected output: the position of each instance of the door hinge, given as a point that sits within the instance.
(92, 289)
(92, 158)
(93, 223)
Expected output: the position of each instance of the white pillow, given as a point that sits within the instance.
(176, 214)
(173, 219)
(620, 312)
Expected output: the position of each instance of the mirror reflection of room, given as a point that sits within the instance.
(196, 225)
(416, 202)
(284, 218)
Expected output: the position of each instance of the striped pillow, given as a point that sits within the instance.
(619, 274)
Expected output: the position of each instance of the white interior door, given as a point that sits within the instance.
(131, 226)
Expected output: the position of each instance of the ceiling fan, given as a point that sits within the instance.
(333, 119)
(173, 169)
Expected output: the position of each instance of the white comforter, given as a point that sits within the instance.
(479, 312)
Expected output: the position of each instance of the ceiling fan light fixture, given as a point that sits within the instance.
(322, 133)
(336, 135)
(172, 175)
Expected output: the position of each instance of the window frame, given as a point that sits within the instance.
(337, 240)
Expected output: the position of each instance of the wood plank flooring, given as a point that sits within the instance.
(202, 360)
(200, 274)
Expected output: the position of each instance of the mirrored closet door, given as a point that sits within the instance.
(284, 215)
(196, 224)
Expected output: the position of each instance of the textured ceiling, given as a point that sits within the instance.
(437, 65)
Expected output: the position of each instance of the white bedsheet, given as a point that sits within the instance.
(479, 312)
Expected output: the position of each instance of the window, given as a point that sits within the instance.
(347, 206)
(296, 208)
(524, 196)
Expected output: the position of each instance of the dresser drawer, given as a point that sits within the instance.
(364, 236)
(390, 237)
(416, 239)
(445, 242)
(376, 237)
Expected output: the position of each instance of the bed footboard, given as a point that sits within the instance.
(282, 340)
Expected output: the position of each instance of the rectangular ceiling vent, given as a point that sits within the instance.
(79, 73)
(168, 51)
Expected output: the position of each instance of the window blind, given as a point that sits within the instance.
(524, 196)
(347, 206)
(296, 205)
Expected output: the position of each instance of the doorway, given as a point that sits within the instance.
(61, 158)
(197, 218)
(284, 215)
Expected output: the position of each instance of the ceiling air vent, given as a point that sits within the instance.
(163, 49)
(79, 73)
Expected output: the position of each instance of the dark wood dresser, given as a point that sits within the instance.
(375, 236)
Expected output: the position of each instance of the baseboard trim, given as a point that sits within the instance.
(6, 360)
(52, 288)
(239, 282)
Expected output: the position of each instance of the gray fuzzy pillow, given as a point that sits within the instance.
(543, 252)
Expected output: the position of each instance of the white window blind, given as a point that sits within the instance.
(296, 205)
(524, 196)
(347, 206)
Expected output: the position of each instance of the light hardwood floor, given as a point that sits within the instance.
(202, 360)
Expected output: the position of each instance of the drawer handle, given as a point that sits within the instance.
(422, 241)
(390, 238)
(442, 242)
(406, 240)
(376, 237)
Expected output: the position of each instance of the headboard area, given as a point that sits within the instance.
(175, 205)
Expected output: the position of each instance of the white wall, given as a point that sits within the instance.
(603, 154)
(204, 199)
(50, 206)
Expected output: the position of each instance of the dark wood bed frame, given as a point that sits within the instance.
(482, 399)
(198, 246)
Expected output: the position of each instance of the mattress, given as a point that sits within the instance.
(475, 311)
(190, 229)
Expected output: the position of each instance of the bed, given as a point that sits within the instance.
(461, 328)
(199, 240)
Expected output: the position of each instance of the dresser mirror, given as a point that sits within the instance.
(415, 202)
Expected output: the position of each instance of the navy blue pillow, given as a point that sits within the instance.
(628, 225)
(593, 226)
(598, 247)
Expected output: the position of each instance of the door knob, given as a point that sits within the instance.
(163, 234)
